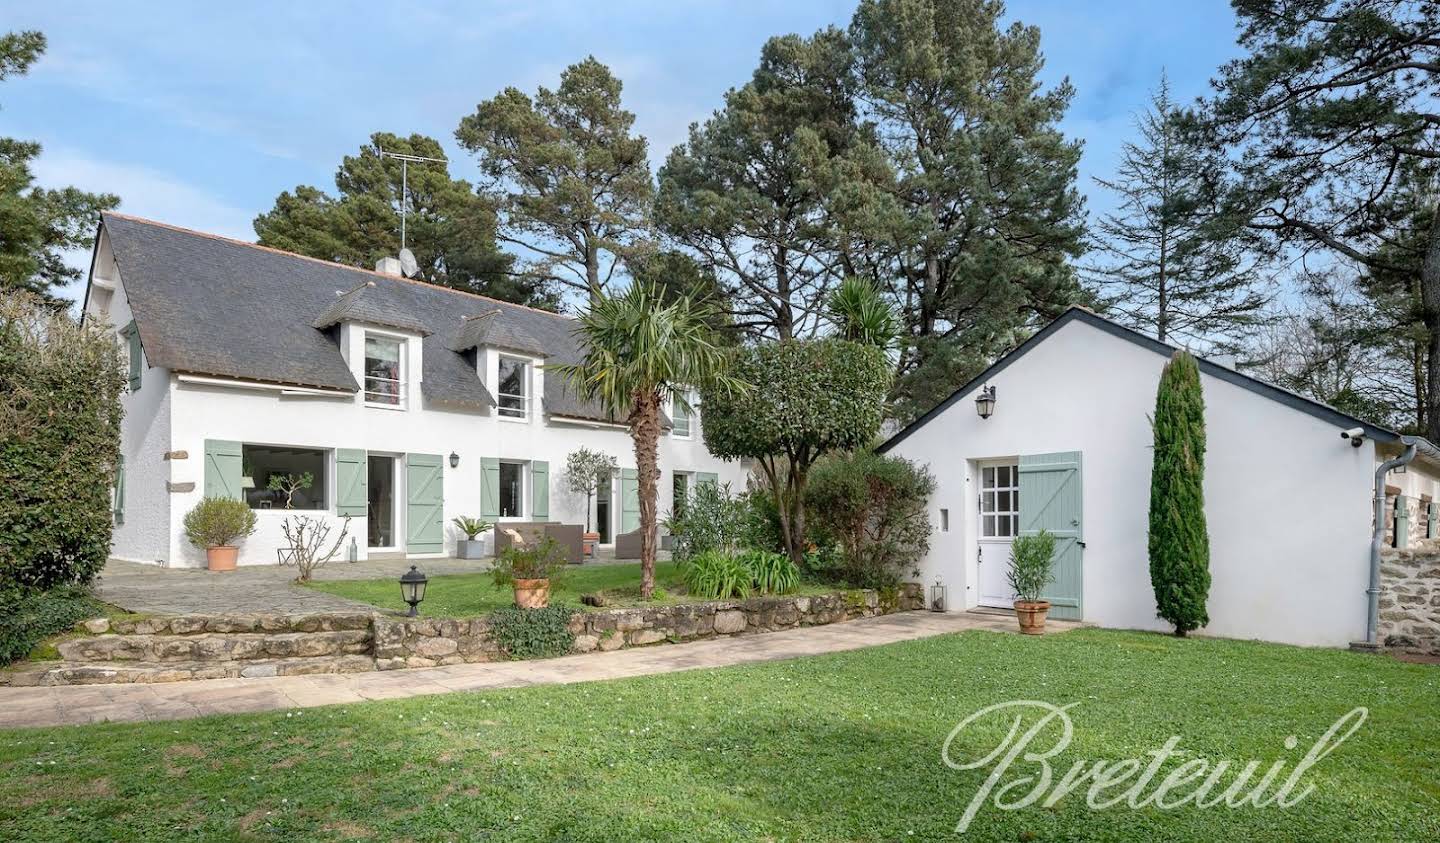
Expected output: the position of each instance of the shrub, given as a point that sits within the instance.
(1032, 565)
(772, 573)
(713, 575)
(306, 537)
(218, 522)
(760, 520)
(1179, 542)
(60, 385)
(542, 561)
(877, 509)
(809, 397)
(471, 527)
(711, 520)
(532, 633)
(28, 617)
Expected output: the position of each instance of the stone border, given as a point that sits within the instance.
(427, 642)
(1410, 599)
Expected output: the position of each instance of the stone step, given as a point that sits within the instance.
(116, 673)
(206, 624)
(216, 647)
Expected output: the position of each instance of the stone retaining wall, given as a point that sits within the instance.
(1410, 599)
(425, 642)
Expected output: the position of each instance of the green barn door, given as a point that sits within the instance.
(425, 504)
(1050, 499)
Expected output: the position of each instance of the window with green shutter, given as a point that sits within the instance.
(132, 341)
(539, 490)
(119, 508)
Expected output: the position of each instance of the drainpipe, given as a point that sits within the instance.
(1377, 537)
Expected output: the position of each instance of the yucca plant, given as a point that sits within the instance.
(471, 527)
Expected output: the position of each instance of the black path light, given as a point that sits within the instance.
(412, 589)
(985, 402)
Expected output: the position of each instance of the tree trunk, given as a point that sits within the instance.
(645, 430)
(1430, 307)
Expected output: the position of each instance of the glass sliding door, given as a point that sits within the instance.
(380, 505)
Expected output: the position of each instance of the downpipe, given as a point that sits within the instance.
(1377, 540)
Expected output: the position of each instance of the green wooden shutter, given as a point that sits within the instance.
(223, 469)
(132, 340)
(629, 500)
(489, 487)
(119, 490)
(1051, 499)
(539, 489)
(1430, 524)
(352, 482)
(707, 477)
(1402, 521)
(425, 499)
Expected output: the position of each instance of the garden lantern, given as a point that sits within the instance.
(412, 589)
(454, 460)
(985, 402)
(937, 597)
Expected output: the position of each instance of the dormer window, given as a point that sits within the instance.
(384, 371)
(513, 388)
(681, 415)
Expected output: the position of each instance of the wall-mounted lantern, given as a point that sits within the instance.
(454, 460)
(985, 402)
(937, 597)
(412, 589)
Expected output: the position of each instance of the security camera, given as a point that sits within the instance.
(1356, 435)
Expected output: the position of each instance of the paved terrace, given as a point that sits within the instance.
(75, 704)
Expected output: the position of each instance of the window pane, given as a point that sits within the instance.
(276, 476)
(1002, 503)
(987, 475)
(382, 370)
(680, 488)
(989, 528)
(514, 384)
(512, 489)
(1002, 476)
(680, 415)
(987, 502)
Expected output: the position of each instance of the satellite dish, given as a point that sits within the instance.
(407, 263)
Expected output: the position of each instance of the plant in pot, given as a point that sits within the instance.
(471, 547)
(531, 569)
(1032, 566)
(216, 524)
(586, 471)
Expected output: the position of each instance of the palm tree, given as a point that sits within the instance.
(642, 347)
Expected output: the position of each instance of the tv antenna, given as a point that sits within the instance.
(405, 160)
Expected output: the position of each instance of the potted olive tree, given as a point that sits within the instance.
(531, 569)
(585, 471)
(216, 524)
(1032, 565)
(471, 547)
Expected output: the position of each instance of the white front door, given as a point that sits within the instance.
(998, 517)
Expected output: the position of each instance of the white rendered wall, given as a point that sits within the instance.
(1287, 500)
(144, 434)
(265, 417)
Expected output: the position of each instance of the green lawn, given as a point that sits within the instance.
(842, 747)
(471, 595)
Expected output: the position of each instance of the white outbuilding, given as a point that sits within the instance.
(1056, 435)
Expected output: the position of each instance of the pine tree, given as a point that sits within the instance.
(1179, 541)
(1172, 263)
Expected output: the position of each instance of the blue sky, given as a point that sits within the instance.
(199, 114)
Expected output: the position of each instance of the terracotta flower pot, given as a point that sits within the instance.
(221, 558)
(1031, 614)
(590, 540)
(532, 594)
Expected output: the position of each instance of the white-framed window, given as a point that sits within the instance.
(513, 387)
(384, 371)
(680, 492)
(682, 411)
(285, 477)
(999, 501)
(512, 490)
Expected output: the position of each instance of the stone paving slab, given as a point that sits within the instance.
(63, 705)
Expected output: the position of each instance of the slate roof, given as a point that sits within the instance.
(495, 330)
(210, 305)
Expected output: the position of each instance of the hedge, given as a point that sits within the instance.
(29, 617)
(60, 385)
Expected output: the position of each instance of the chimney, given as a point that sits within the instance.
(388, 266)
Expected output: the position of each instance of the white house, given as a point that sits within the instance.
(407, 403)
(1067, 447)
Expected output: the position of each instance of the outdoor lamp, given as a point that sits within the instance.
(937, 597)
(412, 589)
(985, 402)
(454, 460)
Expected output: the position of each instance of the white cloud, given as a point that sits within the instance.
(144, 192)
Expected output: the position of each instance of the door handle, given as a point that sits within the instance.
(1082, 544)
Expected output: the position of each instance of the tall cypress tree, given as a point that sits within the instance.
(1179, 541)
